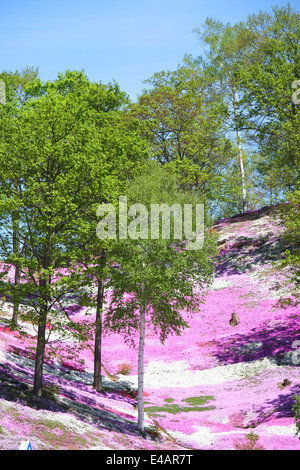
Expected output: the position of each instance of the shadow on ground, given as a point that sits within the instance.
(266, 341)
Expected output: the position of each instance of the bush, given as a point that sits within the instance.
(124, 369)
(250, 443)
(154, 431)
(296, 410)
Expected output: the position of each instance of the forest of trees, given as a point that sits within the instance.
(223, 130)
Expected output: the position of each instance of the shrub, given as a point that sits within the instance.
(124, 369)
(296, 410)
(250, 443)
(154, 431)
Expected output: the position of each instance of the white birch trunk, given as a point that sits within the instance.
(238, 137)
(141, 371)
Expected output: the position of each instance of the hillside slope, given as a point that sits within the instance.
(205, 389)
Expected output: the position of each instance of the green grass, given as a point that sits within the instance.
(195, 402)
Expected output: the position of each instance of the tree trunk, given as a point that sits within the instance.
(40, 351)
(16, 249)
(44, 284)
(141, 371)
(14, 320)
(241, 163)
(98, 336)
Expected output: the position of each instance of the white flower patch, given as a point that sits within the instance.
(178, 374)
(201, 437)
(280, 430)
(160, 374)
(220, 283)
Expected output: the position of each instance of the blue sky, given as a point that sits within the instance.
(125, 41)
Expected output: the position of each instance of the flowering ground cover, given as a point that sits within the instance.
(208, 388)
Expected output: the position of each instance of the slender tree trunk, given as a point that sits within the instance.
(241, 163)
(141, 370)
(16, 251)
(98, 337)
(16, 298)
(41, 339)
(40, 351)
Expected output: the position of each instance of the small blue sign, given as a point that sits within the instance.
(25, 445)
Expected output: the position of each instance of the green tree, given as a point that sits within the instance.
(92, 251)
(67, 155)
(14, 95)
(267, 83)
(227, 48)
(155, 279)
(182, 116)
(290, 214)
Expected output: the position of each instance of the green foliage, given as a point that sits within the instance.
(195, 402)
(154, 431)
(158, 274)
(202, 400)
(63, 150)
(296, 410)
(272, 116)
(124, 369)
(227, 49)
(155, 279)
(16, 84)
(292, 224)
(181, 115)
(258, 59)
(290, 214)
(249, 443)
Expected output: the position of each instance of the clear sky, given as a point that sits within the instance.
(126, 41)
